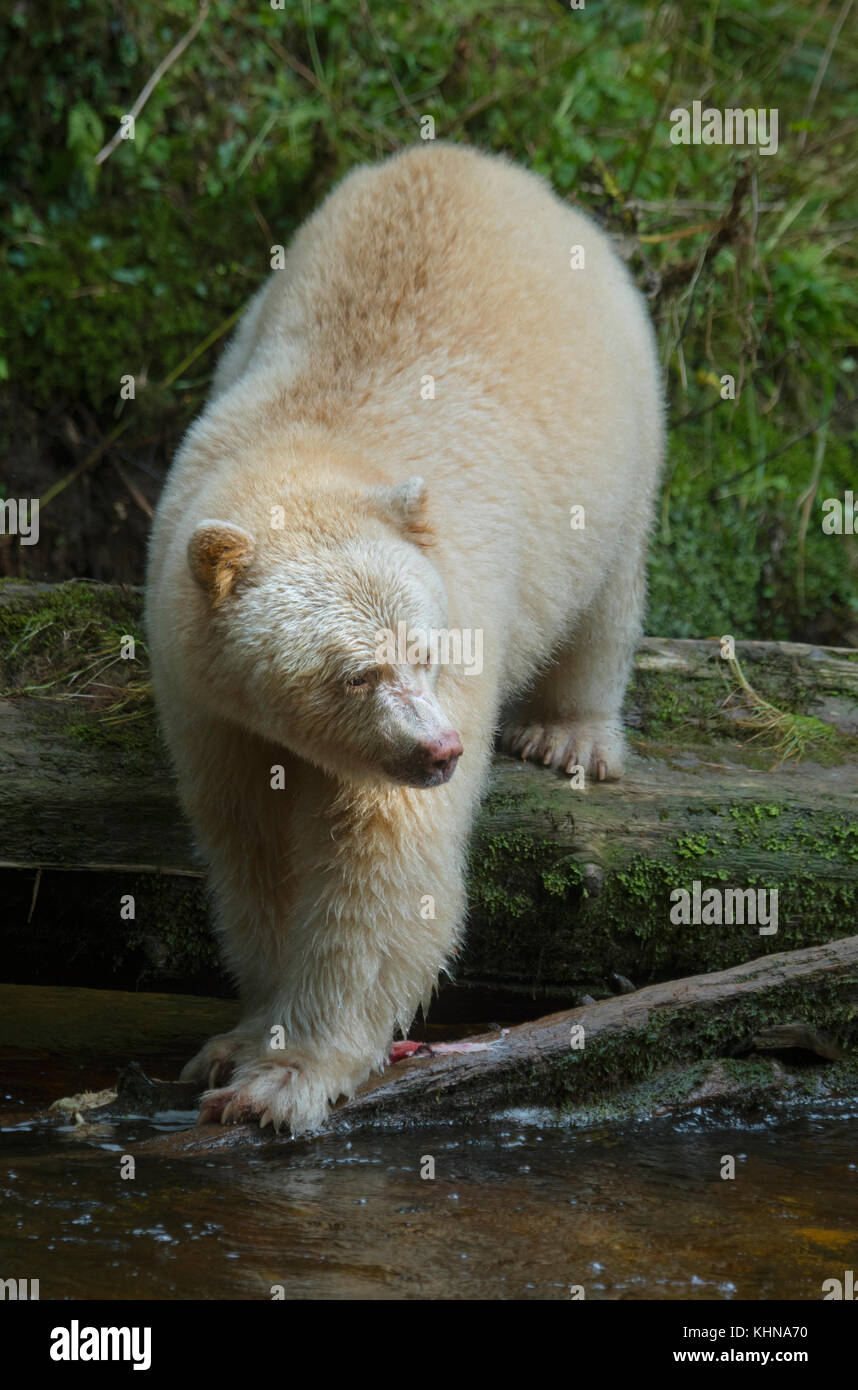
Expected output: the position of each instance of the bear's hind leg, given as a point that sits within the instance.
(572, 717)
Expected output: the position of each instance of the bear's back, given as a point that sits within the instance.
(438, 250)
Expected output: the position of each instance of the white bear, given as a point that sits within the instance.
(443, 416)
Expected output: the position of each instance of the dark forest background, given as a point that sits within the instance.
(138, 264)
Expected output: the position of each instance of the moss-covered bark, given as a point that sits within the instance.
(587, 1054)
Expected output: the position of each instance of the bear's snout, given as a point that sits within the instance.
(436, 758)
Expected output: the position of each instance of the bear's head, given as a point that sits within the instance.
(318, 635)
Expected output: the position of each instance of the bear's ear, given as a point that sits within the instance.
(406, 505)
(218, 552)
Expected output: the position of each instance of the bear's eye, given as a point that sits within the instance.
(360, 682)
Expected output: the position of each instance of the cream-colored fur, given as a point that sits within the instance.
(340, 896)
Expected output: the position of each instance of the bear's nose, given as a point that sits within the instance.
(440, 754)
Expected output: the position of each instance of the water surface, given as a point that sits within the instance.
(517, 1209)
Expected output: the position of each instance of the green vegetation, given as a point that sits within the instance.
(80, 641)
(64, 645)
(48, 638)
(749, 261)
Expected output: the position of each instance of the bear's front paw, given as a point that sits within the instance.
(598, 747)
(286, 1094)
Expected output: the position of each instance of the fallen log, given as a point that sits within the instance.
(592, 1054)
(567, 887)
(581, 1054)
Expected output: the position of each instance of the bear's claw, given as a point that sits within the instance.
(278, 1094)
(597, 747)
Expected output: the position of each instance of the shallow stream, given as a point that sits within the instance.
(520, 1209)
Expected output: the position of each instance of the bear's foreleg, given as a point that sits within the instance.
(367, 936)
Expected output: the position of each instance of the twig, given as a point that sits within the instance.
(811, 429)
(397, 85)
(266, 230)
(136, 495)
(691, 205)
(788, 734)
(200, 349)
(35, 895)
(301, 70)
(175, 52)
(500, 93)
(649, 136)
(806, 504)
(726, 232)
(823, 67)
(678, 235)
(776, 453)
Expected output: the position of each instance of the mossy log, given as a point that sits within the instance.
(582, 1055)
(568, 887)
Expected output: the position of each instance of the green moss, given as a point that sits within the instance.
(691, 846)
(563, 876)
(51, 629)
(512, 874)
(682, 710)
(61, 644)
(637, 899)
(533, 918)
(669, 703)
(751, 1083)
(754, 814)
(136, 739)
(675, 1038)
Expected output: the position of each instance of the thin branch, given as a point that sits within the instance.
(811, 429)
(796, 439)
(500, 93)
(136, 495)
(823, 67)
(652, 238)
(175, 52)
(301, 70)
(726, 232)
(397, 85)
